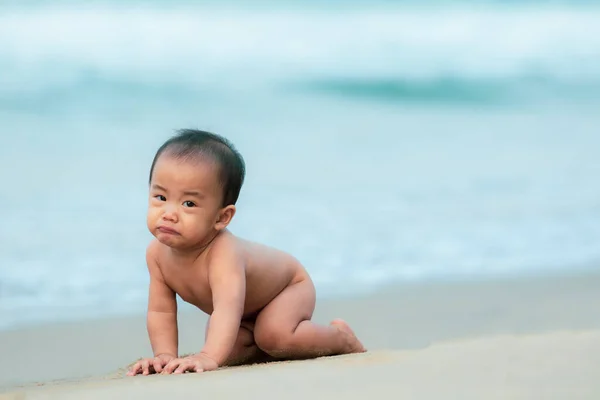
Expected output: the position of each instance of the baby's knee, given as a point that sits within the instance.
(272, 340)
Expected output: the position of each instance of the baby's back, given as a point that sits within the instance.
(268, 272)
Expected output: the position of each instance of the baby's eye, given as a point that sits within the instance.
(160, 197)
(189, 204)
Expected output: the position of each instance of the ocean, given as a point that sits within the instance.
(385, 141)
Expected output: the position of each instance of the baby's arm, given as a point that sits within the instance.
(162, 310)
(227, 280)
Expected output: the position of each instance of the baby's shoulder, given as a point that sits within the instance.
(226, 243)
(155, 255)
(153, 250)
(253, 252)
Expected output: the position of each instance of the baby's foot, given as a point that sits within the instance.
(355, 345)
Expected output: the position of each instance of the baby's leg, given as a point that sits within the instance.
(284, 330)
(245, 350)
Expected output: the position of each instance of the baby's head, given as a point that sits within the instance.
(195, 181)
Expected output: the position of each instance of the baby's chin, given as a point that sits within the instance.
(176, 242)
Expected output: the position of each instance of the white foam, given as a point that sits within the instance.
(216, 46)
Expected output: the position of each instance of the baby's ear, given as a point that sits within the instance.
(225, 216)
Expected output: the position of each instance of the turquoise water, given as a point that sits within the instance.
(385, 141)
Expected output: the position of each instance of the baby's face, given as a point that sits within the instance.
(184, 203)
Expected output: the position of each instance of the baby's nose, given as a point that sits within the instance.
(169, 217)
(170, 214)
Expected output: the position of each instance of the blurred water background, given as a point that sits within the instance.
(386, 141)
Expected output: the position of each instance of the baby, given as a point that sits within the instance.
(260, 300)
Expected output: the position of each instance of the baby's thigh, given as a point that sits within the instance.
(294, 304)
(245, 335)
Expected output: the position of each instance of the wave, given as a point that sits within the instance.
(407, 52)
(453, 90)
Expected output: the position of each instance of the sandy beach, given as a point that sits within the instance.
(529, 338)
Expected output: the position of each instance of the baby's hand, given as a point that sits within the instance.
(195, 363)
(150, 365)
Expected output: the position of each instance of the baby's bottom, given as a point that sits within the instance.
(284, 330)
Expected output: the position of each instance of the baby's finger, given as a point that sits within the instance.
(157, 364)
(170, 367)
(134, 369)
(198, 368)
(184, 366)
(145, 367)
(138, 368)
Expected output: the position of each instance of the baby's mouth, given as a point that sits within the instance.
(167, 230)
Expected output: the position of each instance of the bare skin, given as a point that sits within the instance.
(260, 300)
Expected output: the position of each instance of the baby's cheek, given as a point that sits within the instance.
(152, 216)
(196, 223)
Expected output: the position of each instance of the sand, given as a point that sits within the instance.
(535, 338)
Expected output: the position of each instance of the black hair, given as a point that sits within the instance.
(193, 143)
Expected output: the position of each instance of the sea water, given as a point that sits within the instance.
(385, 141)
